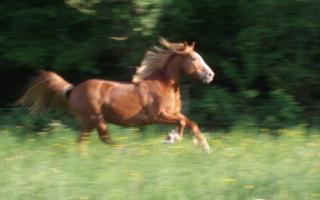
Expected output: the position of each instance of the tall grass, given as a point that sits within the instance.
(244, 164)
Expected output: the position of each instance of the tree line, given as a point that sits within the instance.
(265, 53)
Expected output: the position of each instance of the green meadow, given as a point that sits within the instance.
(245, 163)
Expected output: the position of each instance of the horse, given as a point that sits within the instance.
(152, 97)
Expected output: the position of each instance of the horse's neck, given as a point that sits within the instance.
(170, 75)
(172, 72)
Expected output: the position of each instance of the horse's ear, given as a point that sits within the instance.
(189, 48)
(193, 45)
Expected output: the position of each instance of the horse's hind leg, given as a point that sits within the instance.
(104, 133)
(85, 132)
(86, 124)
(90, 122)
(84, 135)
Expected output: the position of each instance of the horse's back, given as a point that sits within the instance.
(119, 102)
(85, 96)
(94, 89)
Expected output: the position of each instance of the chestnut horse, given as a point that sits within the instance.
(153, 96)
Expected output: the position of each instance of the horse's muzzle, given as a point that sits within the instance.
(207, 77)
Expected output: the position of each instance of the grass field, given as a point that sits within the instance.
(244, 164)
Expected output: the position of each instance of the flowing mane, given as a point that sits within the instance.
(156, 58)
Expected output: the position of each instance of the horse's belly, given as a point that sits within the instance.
(127, 118)
(128, 112)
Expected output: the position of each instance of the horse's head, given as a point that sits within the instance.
(194, 65)
(180, 55)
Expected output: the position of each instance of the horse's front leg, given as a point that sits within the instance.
(200, 139)
(185, 122)
(177, 119)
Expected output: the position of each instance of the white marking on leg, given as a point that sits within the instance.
(203, 144)
(172, 137)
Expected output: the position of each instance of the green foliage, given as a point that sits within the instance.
(216, 107)
(255, 48)
(281, 108)
(281, 45)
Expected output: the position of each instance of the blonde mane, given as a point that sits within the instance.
(156, 58)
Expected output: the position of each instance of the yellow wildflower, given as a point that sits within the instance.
(229, 180)
(249, 187)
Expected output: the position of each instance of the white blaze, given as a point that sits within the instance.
(204, 64)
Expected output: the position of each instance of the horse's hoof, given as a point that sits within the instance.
(117, 146)
(107, 140)
(205, 146)
(172, 137)
(169, 141)
(207, 150)
(111, 142)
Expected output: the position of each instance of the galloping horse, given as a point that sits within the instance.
(153, 96)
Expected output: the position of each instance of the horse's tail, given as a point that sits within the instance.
(47, 91)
